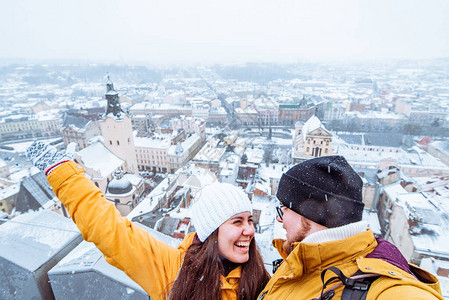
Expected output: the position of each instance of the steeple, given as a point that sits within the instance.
(112, 97)
(117, 130)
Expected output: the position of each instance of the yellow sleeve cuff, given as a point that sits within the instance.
(63, 172)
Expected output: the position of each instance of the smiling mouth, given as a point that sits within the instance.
(242, 244)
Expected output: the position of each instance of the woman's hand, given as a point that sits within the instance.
(46, 157)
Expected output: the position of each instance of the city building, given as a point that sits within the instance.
(8, 197)
(388, 197)
(382, 150)
(4, 169)
(100, 164)
(440, 150)
(143, 123)
(190, 125)
(267, 111)
(311, 139)
(117, 131)
(79, 130)
(200, 109)
(163, 109)
(246, 116)
(229, 169)
(35, 194)
(18, 127)
(49, 123)
(217, 116)
(125, 191)
(419, 226)
(290, 113)
(210, 155)
(180, 154)
(151, 153)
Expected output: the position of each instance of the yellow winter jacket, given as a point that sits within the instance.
(151, 263)
(298, 277)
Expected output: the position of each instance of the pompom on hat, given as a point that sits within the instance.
(216, 204)
(325, 190)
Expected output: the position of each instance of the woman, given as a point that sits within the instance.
(220, 261)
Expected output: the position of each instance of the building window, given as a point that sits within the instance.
(110, 142)
(118, 143)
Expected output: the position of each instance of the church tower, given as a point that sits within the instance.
(113, 100)
(311, 139)
(117, 130)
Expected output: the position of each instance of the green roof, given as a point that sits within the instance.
(288, 105)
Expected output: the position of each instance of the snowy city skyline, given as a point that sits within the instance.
(163, 99)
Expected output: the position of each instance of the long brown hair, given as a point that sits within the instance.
(199, 277)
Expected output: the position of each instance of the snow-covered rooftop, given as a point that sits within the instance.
(255, 156)
(443, 146)
(152, 199)
(155, 143)
(195, 178)
(413, 158)
(272, 170)
(371, 218)
(100, 159)
(21, 147)
(393, 190)
(178, 150)
(209, 152)
(31, 239)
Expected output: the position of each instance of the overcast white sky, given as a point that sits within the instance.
(209, 31)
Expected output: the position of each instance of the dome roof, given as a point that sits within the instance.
(119, 186)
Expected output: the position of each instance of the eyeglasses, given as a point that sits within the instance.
(279, 211)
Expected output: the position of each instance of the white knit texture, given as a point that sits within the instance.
(337, 233)
(216, 204)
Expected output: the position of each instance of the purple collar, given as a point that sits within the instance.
(388, 252)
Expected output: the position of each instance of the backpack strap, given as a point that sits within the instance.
(356, 286)
(361, 287)
(276, 264)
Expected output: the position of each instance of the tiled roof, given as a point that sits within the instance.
(34, 193)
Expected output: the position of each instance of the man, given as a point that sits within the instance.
(321, 211)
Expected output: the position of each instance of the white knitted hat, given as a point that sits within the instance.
(216, 204)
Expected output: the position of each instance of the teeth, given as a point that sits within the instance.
(242, 244)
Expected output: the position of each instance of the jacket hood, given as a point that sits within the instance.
(390, 253)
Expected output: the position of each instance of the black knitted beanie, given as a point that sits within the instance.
(325, 190)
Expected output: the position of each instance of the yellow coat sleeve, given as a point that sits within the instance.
(148, 261)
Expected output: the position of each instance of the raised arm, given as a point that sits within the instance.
(148, 261)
